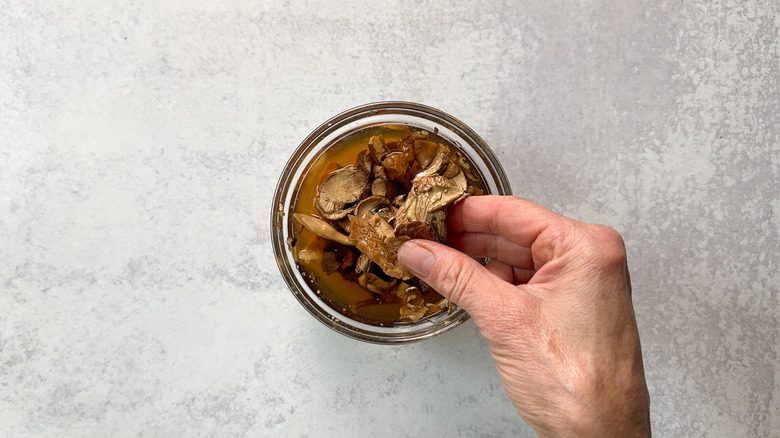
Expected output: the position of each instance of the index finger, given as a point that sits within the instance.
(514, 218)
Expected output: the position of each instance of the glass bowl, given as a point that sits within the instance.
(405, 114)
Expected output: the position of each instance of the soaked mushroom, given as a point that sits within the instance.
(375, 238)
(340, 191)
(439, 224)
(424, 152)
(397, 164)
(439, 162)
(364, 163)
(375, 204)
(376, 284)
(321, 228)
(416, 230)
(377, 148)
(363, 264)
(428, 194)
(414, 306)
(379, 187)
(308, 255)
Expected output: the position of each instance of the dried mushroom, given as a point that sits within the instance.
(396, 190)
(416, 230)
(428, 194)
(340, 191)
(376, 284)
(321, 228)
(375, 238)
(375, 204)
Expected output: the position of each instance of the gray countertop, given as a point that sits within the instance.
(140, 144)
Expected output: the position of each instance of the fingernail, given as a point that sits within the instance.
(416, 259)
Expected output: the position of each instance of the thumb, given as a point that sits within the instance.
(456, 276)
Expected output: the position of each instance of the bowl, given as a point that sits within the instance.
(324, 140)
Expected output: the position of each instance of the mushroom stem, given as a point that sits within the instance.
(321, 228)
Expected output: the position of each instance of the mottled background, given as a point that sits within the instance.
(140, 143)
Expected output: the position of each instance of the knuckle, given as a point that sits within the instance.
(606, 244)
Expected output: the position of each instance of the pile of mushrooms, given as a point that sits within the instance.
(392, 193)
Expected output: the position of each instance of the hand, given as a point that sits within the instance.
(554, 303)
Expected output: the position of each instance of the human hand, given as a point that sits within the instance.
(554, 304)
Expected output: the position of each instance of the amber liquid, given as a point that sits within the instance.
(343, 295)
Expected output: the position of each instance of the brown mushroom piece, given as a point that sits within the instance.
(379, 187)
(465, 166)
(437, 164)
(340, 191)
(321, 228)
(439, 305)
(363, 264)
(428, 194)
(376, 284)
(397, 165)
(438, 222)
(375, 238)
(308, 255)
(416, 230)
(414, 307)
(375, 204)
(364, 163)
(412, 315)
(377, 148)
(424, 152)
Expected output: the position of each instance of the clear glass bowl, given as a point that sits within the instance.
(408, 114)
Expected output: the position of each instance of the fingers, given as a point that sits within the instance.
(493, 247)
(511, 217)
(455, 275)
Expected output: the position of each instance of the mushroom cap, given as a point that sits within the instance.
(340, 191)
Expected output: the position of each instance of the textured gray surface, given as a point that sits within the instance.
(139, 144)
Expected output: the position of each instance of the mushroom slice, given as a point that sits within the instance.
(406, 313)
(344, 224)
(375, 204)
(427, 195)
(379, 171)
(397, 165)
(416, 230)
(363, 264)
(377, 148)
(374, 238)
(338, 193)
(404, 290)
(414, 307)
(364, 163)
(376, 284)
(459, 180)
(438, 221)
(437, 164)
(451, 170)
(321, 228)
(439, 305)
(467, 169)
(307, 255)
(424, 152)
(379, 187)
